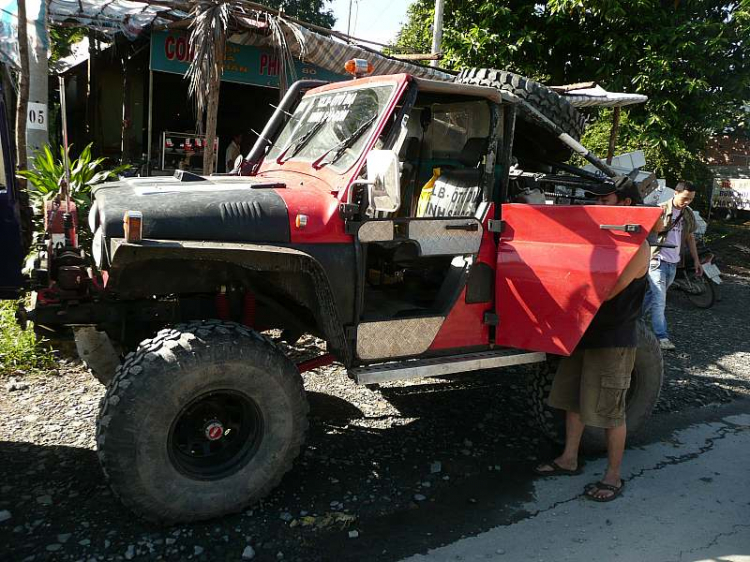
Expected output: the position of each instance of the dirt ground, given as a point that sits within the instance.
(386, 473)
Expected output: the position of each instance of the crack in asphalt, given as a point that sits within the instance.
(721, 433)
(713, 542)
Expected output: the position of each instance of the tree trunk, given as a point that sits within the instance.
(23, 91)
(613, 135)
(212, 113)
(22, 107)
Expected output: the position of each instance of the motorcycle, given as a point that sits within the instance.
(701, 290)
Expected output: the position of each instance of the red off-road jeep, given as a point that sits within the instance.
(379, 214)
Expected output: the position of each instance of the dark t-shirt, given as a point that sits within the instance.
(614, 325)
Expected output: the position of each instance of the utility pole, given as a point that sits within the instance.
(349, 20)
(37, 114)
(437, 30)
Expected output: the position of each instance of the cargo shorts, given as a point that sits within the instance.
(594, 383)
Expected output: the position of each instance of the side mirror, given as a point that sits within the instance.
(383, 181)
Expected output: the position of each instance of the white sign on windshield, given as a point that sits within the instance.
(332, 108)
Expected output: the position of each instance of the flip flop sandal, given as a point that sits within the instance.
(595, 487)
(557, 470)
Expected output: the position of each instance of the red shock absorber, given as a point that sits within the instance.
(248, 309)
(222, 305)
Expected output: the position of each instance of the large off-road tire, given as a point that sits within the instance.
(531, 135)
(645, 385)
(200, 421)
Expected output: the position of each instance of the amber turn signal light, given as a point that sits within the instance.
(132, 223)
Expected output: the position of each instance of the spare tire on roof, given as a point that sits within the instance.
(532, 135)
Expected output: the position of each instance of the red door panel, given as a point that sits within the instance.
(556, 266)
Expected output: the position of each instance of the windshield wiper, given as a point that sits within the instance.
(340, 148)
(293, 148)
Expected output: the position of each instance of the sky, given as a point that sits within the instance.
(377, 20)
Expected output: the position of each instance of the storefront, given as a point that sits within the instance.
(249, 92)
(130, 98)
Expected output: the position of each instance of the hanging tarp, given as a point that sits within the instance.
(113, 16)
(9, 33)
(332, 53)
(596, 96)
(36, 17)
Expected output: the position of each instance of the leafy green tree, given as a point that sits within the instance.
(691, 57)
(62, 40)
(316, 12)
(47, 175)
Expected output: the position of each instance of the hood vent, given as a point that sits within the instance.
(241, 212)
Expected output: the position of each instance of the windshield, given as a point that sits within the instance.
(332, 128)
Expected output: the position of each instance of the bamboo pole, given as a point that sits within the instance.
(419, 56)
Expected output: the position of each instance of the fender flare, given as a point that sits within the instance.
(129, 257)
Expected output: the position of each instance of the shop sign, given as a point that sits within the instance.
(243, 64)
(731, 193)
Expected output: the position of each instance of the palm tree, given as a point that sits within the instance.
(208, 37)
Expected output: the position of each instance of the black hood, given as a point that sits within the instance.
(230, 209)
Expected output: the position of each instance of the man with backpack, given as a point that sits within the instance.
(677, 230)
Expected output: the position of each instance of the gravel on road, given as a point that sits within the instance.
(419, 455)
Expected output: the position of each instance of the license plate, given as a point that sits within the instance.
(712, 272)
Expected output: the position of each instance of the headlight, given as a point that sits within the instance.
(97, 246)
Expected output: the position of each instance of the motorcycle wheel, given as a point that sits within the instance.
(701, 292)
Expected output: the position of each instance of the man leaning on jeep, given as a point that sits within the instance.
(591, 384)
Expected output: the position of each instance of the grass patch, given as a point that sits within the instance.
(20, 349)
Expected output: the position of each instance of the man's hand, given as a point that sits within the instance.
(694, 253)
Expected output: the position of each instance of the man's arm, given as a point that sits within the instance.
(638, 267)
(659, 226)
(661, 222)
(694, 252)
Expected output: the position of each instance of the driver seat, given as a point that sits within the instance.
(457, 191)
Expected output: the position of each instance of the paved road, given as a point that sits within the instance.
(686, 499)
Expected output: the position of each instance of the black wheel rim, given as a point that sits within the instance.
(215, 435)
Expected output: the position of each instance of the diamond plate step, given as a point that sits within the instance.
(435, 367)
